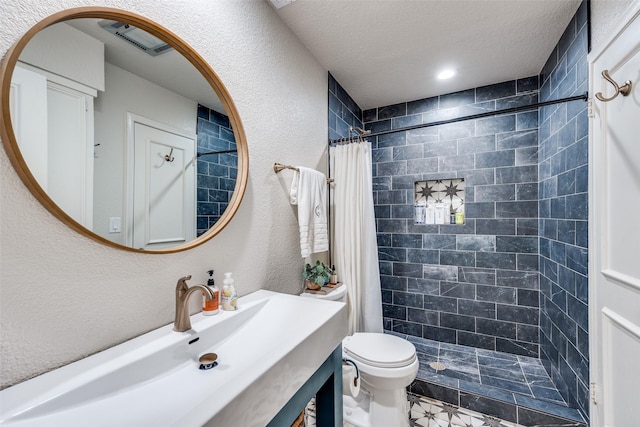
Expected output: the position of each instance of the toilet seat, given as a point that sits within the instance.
(379, 350)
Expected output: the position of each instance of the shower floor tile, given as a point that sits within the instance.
(479, 388)
(507, 384)
(507, 372)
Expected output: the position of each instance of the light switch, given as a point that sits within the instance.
(115, 224)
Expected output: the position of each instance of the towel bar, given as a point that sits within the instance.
(278, 167)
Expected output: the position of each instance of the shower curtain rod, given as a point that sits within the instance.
(583, 97)
(216, 152)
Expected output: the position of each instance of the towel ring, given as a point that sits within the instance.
(623, 90)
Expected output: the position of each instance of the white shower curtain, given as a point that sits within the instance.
(355, 249)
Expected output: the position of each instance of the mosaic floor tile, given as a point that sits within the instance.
(426, 412)
(432, 413)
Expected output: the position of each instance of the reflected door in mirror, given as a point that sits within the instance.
(164, 187)
(54, 122)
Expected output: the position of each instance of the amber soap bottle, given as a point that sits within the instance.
(211, 307)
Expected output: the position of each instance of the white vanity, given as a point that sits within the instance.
(275, 352)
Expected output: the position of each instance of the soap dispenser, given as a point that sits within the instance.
(229, 295)
(211, 307)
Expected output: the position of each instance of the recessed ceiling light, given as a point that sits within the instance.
(446, 74)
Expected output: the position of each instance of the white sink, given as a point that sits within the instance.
(266, 351)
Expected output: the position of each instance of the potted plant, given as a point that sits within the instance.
(316, 276)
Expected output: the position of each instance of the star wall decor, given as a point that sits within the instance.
(425, 191)
(447, 191)
(452, 189)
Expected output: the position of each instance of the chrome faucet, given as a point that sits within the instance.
(183, 292)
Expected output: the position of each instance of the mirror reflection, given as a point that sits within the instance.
(123, 133)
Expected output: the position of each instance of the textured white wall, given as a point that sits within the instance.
(68, 52)
(606, 16)
(63, 296)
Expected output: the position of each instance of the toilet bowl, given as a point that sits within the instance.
(386, 365)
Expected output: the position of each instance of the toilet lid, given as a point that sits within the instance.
(381, 350)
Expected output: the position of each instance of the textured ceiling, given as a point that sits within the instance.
(389, 51)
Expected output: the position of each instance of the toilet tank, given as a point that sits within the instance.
(338, 294)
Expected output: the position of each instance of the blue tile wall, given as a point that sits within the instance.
(513, 278)
(216, 173)
(343, 111)
(474, 284)
(563, 186)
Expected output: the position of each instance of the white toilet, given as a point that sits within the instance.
(386, 365)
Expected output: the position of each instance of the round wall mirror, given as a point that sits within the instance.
(122, 131)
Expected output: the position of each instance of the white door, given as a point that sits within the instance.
(53, 124)
(614, 243)
(28, 99)
(164, 209)
(70, 152)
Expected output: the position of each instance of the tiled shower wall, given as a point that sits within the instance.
(216, 177)
(563, 216)
(474, 284)
(514, 277)
(343, 111)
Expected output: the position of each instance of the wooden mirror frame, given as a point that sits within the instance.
(15, 156)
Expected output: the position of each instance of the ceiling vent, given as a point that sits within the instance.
(137, 37)
(280, 3)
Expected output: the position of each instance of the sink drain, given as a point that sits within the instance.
(437, 366)
(208, 361)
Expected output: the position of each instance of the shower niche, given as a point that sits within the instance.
(439, 201)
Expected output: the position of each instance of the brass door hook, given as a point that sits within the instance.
(623, 90)
(169, 157)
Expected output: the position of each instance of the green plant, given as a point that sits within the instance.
(318, 273)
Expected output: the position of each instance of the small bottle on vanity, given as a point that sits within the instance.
(229, 295)
(211, 307)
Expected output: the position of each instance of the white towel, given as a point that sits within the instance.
(309, 192)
